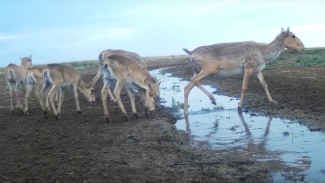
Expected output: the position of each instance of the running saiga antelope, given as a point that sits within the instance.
(133, 57)
(245, 58)
(15, 77)
(129, 74)
(61, 76)
(35, 79)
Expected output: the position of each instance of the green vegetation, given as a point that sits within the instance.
(80, 65)
(290, 58)
(307, 61)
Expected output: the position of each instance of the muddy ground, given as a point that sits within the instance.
(299, 91)
(85, 148)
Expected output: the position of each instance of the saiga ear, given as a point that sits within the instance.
(30, 56)
(282, 30)
(288, 31)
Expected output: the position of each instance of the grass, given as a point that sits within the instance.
(290, 58)
(307, 61)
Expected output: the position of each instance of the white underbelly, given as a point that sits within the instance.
(66, 85)
(231, 73)
(131, 84)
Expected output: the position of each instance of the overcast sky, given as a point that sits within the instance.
(60, 31)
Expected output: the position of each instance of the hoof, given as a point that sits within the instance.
(12, 113)
(56, 117)
(79, 112)
(239, 109)
(147, 114)
(213, 101)
(127, 118)
(275, 102)
(136, 115)
(108, 119)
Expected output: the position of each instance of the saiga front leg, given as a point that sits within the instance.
(248, 73)
(263, 82)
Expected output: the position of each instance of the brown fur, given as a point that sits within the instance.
(133, 57)
(130, 75)
(15, 77)
(60, 76)
(35, 79)
(237, 58)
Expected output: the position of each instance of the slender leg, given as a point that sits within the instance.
(56, 98)
(39, 95)
(75, 92)
(142, 93)
(145, 94)
(187, 90)
(117, 92)
(248, 73)
(263, 82)
(96, 78)
(197, 78)
(28, 90)
(51, 94)
(60, 98)
(19, 105)
(104, 100)
(11, 101)
(195, 81)
(110, 93)
(47, 106)
(132, 98)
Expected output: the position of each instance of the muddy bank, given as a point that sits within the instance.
(85, 148)
(299, 92)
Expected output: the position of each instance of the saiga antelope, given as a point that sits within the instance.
(15, 77)
(35, 79)
(129, 74)
(245, 58)
(60, 76)
(134, 57)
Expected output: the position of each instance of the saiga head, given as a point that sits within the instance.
(291, 41)
(26, 61)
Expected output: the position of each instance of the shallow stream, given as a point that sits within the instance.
(289, 150)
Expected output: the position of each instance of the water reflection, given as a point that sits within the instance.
(285, 147)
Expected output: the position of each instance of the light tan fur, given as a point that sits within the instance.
(35, 79)
(133, 57)
(129, 74)
(244, 58)
(15, 77)
(61, 76)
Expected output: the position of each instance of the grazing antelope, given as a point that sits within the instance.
(15, 77)
(133, 57)
(61, 76)
(126, 72)
(35, 78)
(237, 58)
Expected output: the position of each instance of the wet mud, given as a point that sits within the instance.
(85, 148)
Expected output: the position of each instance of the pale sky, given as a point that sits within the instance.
(69, 30)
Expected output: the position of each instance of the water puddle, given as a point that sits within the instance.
(288, 149)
